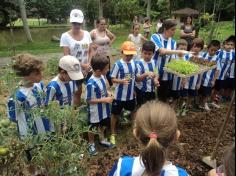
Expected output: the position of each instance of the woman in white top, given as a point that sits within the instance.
(137, 39)
(77, 42)
(103, 39)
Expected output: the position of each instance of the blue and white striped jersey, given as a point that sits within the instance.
(96, 89)
(176, 84)
(20, 111)
(232, 69)
(133, 166)
(147, 85)
(63, 92)
(162, 60)
(225, 61)
(192, 82)
(208, 77)
(122, 70)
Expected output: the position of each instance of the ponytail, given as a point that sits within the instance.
(167, 24)
(153, 157)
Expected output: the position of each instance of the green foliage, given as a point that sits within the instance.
(52, 67)
(183, 67)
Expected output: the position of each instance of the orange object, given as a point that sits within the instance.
(128, 48)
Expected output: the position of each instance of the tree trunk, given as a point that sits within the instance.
(100, 5)
(24, 20)
(149, 8)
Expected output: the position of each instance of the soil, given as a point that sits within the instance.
(198, 137)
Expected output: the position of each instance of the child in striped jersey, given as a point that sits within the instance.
(230, 80)
(178, 82)
(147, 75)
(28, 96)
(209, 78)
(98, 100)
(123, 74)
(63, 88)
(193, 83)
(226, 57)
(155, 128)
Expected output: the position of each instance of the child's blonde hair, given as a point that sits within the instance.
(25, 64)
(155, 127)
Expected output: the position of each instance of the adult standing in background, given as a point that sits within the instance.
(103, 39)
(188, 31)
(135, 20)
(159, 24)
(165, 49)
(77, 42)
(147, 27)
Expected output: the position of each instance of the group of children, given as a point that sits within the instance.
(136, 82)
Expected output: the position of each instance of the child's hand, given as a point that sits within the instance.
(198, 86)
(108, 99)
(213, 83)
(151, 75)
(125, 81)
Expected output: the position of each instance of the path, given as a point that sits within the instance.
(45, 57)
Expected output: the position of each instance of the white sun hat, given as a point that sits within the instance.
(72, 66)
(76, 16)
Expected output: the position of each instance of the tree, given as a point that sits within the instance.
(149, 8)
(9, 11)
(24, 20)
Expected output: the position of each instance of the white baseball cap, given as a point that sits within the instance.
(72, 66)
(76, 16)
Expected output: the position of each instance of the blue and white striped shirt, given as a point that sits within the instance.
(192, 82)
(225, 61)
(19, 110)
(162, 60)
(133, 166)
(122, 70)
(63, 92)
(208, 77)
(147, 85)
(96, 89)
(232, 69)
(176, 85)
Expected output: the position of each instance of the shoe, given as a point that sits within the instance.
(196, 108)
(206, 107)
(113, 139)
(107, 144)
(214, 105)
(92, 150)
(184, 112)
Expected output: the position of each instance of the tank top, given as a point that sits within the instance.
(137, 40)
(102, 43)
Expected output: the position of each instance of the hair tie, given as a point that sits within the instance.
(153, 135)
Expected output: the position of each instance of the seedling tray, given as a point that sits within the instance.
(202, 69)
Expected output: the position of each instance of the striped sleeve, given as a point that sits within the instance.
(89, 91)
(12, 109)
(113, 171)
(181, 172)
(50, 94)
(155, 38)
(114, 71)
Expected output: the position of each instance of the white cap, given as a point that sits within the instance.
(72, 66)
(76, 16)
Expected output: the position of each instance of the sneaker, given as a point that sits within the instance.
(184, 112)
(214, 105)
(206, 107)
(107, 144)
(113, 139)
(92, 150)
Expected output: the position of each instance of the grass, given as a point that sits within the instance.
(224, 29)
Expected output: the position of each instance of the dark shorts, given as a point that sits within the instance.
(175, 94)
(230, 83)
(143, 97)
(118, 106)
(205, 91)
(164, 91)
(220, 84)
(192, 93)
(104, 123)
(184, 93)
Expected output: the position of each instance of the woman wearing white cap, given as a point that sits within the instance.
(77, 42)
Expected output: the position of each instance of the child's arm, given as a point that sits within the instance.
(215, 77)
(144, 39)
(156, 81)
(120, 81)
(141, 77)
(101, 100)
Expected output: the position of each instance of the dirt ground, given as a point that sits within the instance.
(198, 137)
